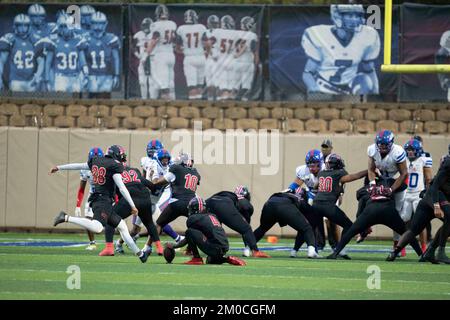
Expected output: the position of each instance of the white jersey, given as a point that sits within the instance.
(86, 175)
(225, 44)
(416, 181)
(142, 39)
(147, 163)
(247, 40)
(303, 173)
(192, 36)
(164, 30)
(388, 164)
(158, 170)
(213, 49)
(339, 63)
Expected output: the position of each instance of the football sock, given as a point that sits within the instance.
(122, 227)
(92, 225)
(109, 233)
(170, 232)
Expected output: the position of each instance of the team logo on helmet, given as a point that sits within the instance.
(161, 12)
(22, 25)
(242, 192)
(190, 17)
(196, 205)
(348, 16)
(247, 23)
(213, 22)
(227, 22)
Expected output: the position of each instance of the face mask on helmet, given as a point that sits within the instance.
(37, 15)
(22, 25)
(145, 25)
(95, 152)
(117, 153)
(98, 24)
(384, 141)
(190, 17)
(164, 157)
(196, 206)
(213, 22)
(348, 17)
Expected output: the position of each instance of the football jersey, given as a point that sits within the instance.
(45, 31)
(225, 44)
(439, 189)
(247, 38)
(213, 53)
(338, 63)
(306, 176)
(147, 163)
(142, 39)
(415, 173)
(210, 226)
(103, 169)
(86, 175)
(22, 55)
(191, 36)
(158, 169)
(224, 194)
(98, 53)
(186, 181)
(164, 30)
(66, 54)
(388, 164)
(330, 186)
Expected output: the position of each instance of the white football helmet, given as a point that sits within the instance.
(348, 16)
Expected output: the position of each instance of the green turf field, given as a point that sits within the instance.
(28, 272)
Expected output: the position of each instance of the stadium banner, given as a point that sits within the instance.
(61, 49)
(312, 53)
(426, 40)
(195, 52)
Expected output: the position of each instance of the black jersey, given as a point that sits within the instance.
(186, 181)
(210, 226)
(134, 181)
(329, 185)
(225, 194)
(245, 208)
(103, 169)
(440, 183)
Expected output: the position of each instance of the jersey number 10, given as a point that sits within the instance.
(191, 182)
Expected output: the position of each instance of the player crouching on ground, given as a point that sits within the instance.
(107, 174)
(205, 232)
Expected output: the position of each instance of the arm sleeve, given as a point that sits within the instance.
(123, 190)
(74, 166)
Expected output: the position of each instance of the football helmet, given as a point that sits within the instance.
(384, 141)
(163, 154)
(213, 22)
(314, 160)
(37, 14)
(242, 192)
(349, 17)
(117, 153)
(65, 25)
(196, 205)
(413, 149)
(86, 13)
(95, 152)
(334, 162)
(145, 25)
(184, 159)
(22, 25)
(190, 17)
(153, 147)
(98, 23)
(247, 23)
(161, 12)
(227, 22)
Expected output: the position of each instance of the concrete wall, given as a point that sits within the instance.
(29, 197)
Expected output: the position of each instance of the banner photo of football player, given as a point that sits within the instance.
(426, 40)
(195, 52)
(329, 50)
(48, 48)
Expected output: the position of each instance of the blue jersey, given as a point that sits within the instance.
(99, 54)
(22, 56)
(45, 30)
(66, 54)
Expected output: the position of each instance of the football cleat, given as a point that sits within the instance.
(60, 218)
(259, 254)
(441, 256)
(236, 261)
(293, 253)
(159, 248)
(391, 257)
(428, 256)
(91, 247)
(312, 254)
(119, 249)
(108, 251)
(344, 256)
(246, 252)
(332, 256)
(143, 256)
(195, 261)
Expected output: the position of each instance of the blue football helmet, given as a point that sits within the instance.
(415, 146)
(384, 141)
(163, 154)
(98, 23)
(153, 147)
(95, 152)
(86, 13)
(22, 25)
(314, 160)
(37, 15)
(349, 17)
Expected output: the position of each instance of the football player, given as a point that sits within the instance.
(66, 69)
(386, 159)
(336, 53)
(148, 85)
(306, 177)
(247, 58)
(226, 207)
(435, 204)
(85, 177)
(190, 38)
(205, 232)
(419, 178)
(86, 13)
(330, 183)
(37, 15)
(441, 57)
(19, 51)
(106, 175)
(161, 50)
(212, 23)
(225, 39)
(103, 56)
